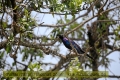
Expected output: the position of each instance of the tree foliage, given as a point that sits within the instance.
(94, 22)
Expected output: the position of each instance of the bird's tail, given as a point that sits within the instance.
(90, 56)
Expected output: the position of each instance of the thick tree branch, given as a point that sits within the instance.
(37, 46)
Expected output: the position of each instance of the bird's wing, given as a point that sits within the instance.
(77, 47)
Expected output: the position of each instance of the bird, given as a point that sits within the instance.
(70, 44)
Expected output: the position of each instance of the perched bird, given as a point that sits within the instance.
(71, 44)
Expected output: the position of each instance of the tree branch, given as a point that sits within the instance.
(61, 25)
(99, 63)
(113, 76)
(90, 19)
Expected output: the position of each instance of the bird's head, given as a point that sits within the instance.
(60, 36)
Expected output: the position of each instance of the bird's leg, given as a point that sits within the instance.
(69, 54)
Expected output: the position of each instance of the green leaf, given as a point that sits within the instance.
(26, 13)
(15, 7)
(11, 37)
(1, 55)
(4, 25)
(32, 22)
(66, 15)
(41, 55)
(79, 1)
(30, 35)
(34, 65)
(73, 15)
(44, 39)
(53, 15)
(8, 48)
(13, 64)
(26, 25)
